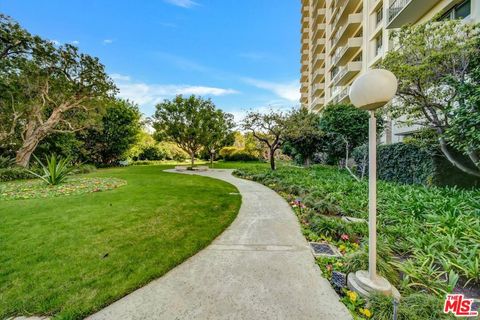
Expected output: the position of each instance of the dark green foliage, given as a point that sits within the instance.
(304, 137)
(346, 127)
(152, 153)
(407, 163)
(411, 307)
(427, 232)
(84, 168)
(240, 155)
(116, 134)
(6, 162)
(14, 173)
(66, 144)
(438, 71)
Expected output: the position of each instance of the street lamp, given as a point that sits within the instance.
(370, 91)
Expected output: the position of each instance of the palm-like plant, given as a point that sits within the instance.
(55, 171)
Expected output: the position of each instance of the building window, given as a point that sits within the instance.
(379, 15)
(460, 11)
(378, 44)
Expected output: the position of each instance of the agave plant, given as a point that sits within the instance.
(55, 170)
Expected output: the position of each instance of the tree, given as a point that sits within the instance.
(184, 121)
(46, 89)
(303, 133)
(220, 133)
(345, 128)
(269, 129)
(437, 66)
(117, 133)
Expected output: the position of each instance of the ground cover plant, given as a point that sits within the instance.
(31, 189)
(428, 237)
(72, 255)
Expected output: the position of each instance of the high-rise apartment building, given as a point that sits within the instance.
(343, 38)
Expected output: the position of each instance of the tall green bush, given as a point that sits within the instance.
(408, 163)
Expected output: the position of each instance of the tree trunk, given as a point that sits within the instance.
(212, 155)
(307, 161)
(192, 157)
(25, 152)
(272, 159)
(455, 162)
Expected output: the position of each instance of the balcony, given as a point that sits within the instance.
(304, 99)
(319, 31)
(353, 22)
(341, 96)
(343, 7)
(318, 89)
(304, 77)
(319, 45)
(317, 104)
(305, 21)
(318, 75)
(402, 12)
(304, 88)
(304, 67)
(346, 52)
(318, 60)
(320, 16)
(346, 73)
(305, 44)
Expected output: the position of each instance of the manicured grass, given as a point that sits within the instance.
(72, 255)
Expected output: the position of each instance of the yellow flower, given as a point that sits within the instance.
(352, 296)
(355, 245)
(366, 312)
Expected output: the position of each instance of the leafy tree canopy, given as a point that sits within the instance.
(437, 64)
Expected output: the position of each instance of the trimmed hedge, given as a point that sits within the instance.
(409, 164)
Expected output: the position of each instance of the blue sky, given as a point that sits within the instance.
(242, 53)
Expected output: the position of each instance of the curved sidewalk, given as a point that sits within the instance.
(259, 268)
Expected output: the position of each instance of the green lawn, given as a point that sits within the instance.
(70, 256)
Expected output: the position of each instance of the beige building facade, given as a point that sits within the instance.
(342, 38)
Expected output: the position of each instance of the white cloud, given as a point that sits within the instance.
(149, 94)
(75, 42)
(107, 41)
(289, 91)
(55, 42)
(182, 3)
(119, 77)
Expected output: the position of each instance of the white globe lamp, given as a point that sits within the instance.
(370, 91)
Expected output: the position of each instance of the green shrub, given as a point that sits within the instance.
(152, 153)
(429, 230)
(407, 163)
(6, 162)
(418, 306)
(227, 151)
(14, 173)
(54, 171)
(84, 168)
(240, 155)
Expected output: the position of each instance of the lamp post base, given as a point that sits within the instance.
(361, 283)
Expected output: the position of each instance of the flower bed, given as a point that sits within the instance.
(428, 238)
(74, 186)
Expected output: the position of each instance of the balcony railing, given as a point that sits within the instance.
(396, 7)
(340, 96)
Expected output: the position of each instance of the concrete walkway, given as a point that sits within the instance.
(259, 268)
